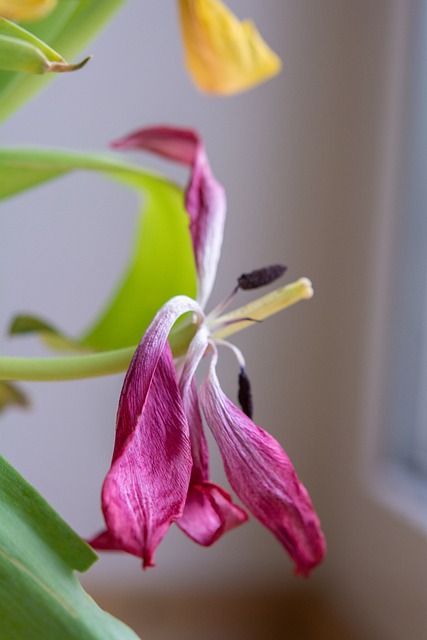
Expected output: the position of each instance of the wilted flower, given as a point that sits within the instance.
(25, 9)
(159, 472)
(224, 55)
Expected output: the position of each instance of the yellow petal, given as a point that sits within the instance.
(223, 55)
(25, 9)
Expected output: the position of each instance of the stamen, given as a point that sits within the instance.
(263, 307)
(239, 355)
(245, 393)
(261, 277)
(222, 305)
(219, 326)
(252, 280)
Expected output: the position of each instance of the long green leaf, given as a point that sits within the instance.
(162, 263)
(67, 29)
(40, 597)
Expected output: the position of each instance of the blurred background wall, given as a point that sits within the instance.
(306, 162)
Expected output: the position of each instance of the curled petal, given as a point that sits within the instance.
(25, 9)
(143, 366)
(179, 145)
(204, 198)
(263, 477)
(146, 487)
(224, 55)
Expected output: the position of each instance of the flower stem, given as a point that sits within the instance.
(68, 368)
(88, 365)
(107, 363)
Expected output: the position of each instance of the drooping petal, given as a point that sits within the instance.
(204, 199)
(25, 9)
(209, 511)
(224, 55)
(263, 477)
(146, 487)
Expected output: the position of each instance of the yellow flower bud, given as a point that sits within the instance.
(25, 9)
(224, 55)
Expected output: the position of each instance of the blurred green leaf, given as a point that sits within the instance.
(67, 29)
(40, 597)
(12, 395)
(162, 262)
(51, 336)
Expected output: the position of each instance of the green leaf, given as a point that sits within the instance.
(66, 29)
(12, 395)
(51, 336)
(40, 597)
(162, 263)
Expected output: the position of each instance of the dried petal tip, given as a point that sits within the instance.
(261, 277)
(64, 67)
(245, 393)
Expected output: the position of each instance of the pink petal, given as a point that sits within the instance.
(209, 511)
(187, 387)
(263, 477)
(146, 487)
(199, 445)
(180, 145)
(204, 199)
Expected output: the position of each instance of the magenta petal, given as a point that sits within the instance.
(209, 512)
(180, 145)
(199, 446)
(105, 541)
(206, 204)
(263, 477)
(204, 199)
(146, 487)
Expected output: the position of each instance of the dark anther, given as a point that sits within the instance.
(261, 277)
(245, 393)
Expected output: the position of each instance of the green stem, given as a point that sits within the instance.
(109, 362)
(90, 365)
(68, 368)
